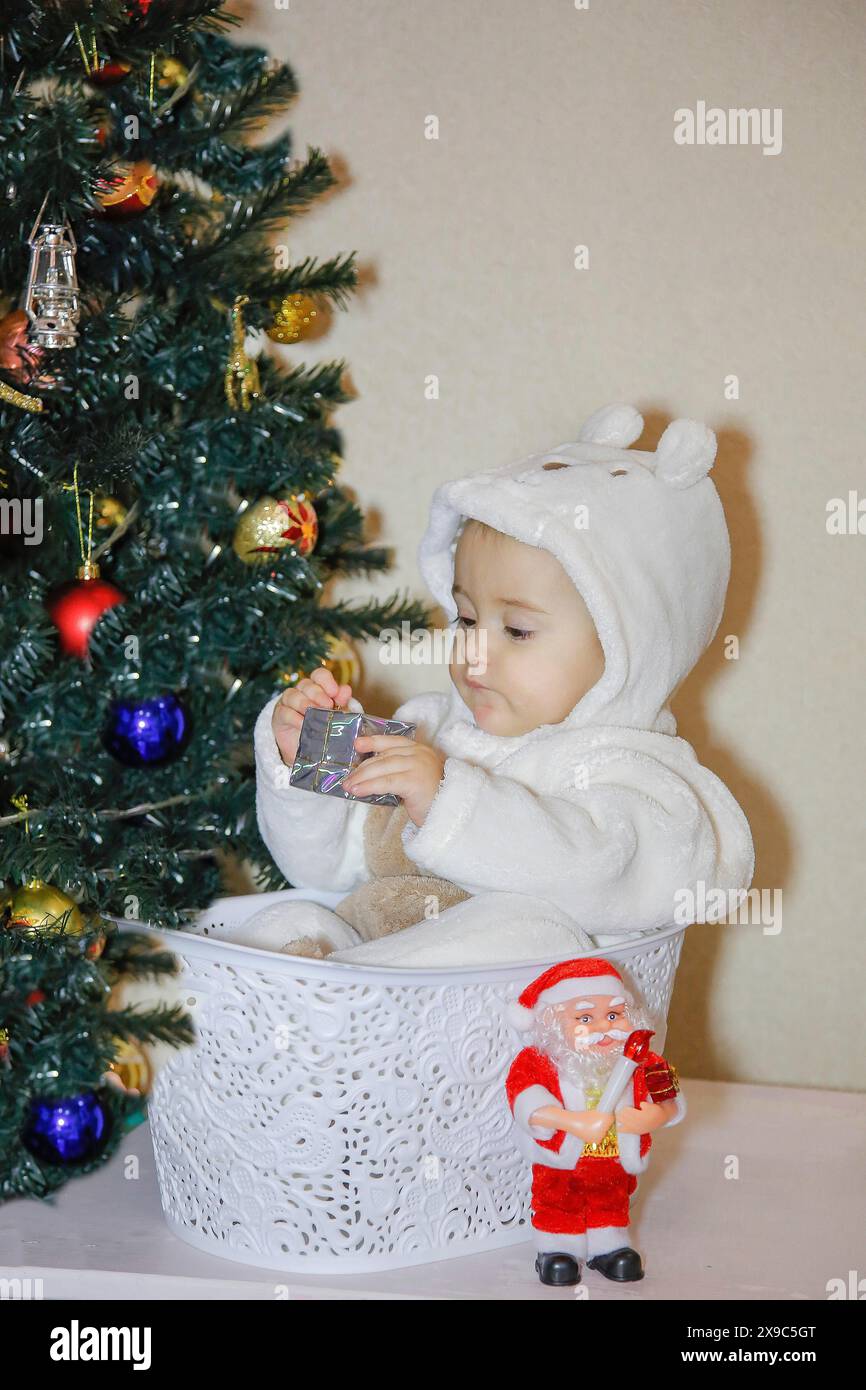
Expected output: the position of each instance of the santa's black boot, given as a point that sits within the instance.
(623, 1265)
(557, 1268)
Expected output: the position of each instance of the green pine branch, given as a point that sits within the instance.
(139, 404)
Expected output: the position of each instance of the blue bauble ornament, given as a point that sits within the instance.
(145, 733)
(68, 1130)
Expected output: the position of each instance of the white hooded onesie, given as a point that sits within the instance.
(584, 828)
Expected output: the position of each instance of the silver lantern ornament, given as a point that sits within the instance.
(51, 296)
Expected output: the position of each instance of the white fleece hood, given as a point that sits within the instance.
(643, 537)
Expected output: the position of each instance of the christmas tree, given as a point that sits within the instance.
(171, 517)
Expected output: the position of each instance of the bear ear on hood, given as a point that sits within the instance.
(685, 453)
(619, 425)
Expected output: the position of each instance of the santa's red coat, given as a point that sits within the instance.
(570, 1190)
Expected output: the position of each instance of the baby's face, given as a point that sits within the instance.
(542, 650)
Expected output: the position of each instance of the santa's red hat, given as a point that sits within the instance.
(567, 980)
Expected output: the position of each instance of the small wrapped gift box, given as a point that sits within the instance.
(326, 751)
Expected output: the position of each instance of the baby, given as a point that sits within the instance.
(546, 803)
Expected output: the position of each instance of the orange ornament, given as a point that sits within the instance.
(131, 192)
(18, 355)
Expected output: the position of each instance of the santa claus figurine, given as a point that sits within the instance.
(589, 1045)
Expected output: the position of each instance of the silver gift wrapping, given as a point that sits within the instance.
(327, 754)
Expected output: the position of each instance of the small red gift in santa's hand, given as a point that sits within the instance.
(586, 1097)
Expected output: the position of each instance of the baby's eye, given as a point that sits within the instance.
(519, 634)
(460, 619)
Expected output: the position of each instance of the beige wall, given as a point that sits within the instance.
(556, 128)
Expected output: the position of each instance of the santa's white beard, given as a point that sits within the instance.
(585, 1066)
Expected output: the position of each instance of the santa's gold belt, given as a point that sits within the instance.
(606, 1147)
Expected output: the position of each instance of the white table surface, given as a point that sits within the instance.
(793, 1219)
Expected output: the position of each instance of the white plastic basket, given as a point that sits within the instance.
(333, 1117)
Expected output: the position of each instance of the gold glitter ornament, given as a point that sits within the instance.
(273, 523)
(172, 73)
(131, 1068)
(37, 908)
(108, 512)
(342, 661)
(294, 316)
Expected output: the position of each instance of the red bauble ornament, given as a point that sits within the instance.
(76, 609)
(108, 74)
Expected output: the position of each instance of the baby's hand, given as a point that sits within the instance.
(410, 770)
(320, 689)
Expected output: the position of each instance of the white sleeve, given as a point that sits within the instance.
(612, 856)
(487, 832)
(526, 1103)
(316, 841)
(679, 1113)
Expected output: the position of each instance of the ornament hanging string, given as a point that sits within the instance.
(88, 67)
(89, 570)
